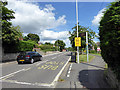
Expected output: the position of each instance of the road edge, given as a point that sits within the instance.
(58, 75)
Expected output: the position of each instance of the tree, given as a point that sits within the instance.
(10, 34)
(47, 43)
(81, 29)
(61, 45)
(33, 37)
(109, 32)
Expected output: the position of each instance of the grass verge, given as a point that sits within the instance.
(83, 58)
(96, 54)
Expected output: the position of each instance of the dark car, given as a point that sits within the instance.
(30, 57)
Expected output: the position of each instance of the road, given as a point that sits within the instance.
(41, 74)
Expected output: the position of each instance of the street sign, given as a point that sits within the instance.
(78, 41)
(98, 49)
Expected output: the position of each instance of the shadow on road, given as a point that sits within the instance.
(92, 79)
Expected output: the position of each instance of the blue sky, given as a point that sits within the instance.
(52, 20)
(86, 13)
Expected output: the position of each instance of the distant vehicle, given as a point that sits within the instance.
(29, 57)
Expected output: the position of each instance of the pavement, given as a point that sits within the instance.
(41, 74)
(86, 76)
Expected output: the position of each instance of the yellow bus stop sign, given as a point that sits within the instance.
(78, 41)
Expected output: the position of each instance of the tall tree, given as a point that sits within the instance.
(33, 37)
(61, 45)
(10, 34)
(81, 29)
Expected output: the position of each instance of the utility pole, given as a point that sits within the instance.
(77, 31)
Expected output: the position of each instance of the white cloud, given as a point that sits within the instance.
(97, 18)
(51, 36)
(33, 18)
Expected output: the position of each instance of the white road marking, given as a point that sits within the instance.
(69, 72)
(57, 76)
(68, 75)
(26, 83)
(12, 73)
(54, 57)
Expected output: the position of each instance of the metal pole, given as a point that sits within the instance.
(87, 46)
(77, 31)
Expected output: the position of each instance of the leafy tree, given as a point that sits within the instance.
(109, 31)
(33, 37)
(81, 29)
(10, 34)
(25, 38)
(61, 45)
(47, 43)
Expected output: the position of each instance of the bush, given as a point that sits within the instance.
(26, 45)
(109, 31)
(48, 48)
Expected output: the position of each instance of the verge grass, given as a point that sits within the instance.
(83, 58)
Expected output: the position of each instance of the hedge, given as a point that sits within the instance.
(109, 31)
(26, 45)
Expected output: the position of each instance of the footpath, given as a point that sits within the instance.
(87, 76)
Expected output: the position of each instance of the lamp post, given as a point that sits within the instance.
(77, 31)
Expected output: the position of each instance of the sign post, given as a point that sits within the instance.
(87, 46)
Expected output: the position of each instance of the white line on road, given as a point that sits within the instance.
(68, 75)
(54, 57)
(12, 73)
(26, 83)
(58, 75)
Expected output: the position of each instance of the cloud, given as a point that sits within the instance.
(33, 18)
(52, 36)
(97, 18)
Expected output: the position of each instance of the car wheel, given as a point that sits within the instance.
(32, 61)
(41, 58)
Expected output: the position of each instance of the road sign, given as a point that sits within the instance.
(98, 49)
(78, 41)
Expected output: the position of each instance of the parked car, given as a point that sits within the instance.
(30, 57)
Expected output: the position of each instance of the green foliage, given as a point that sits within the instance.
(47, 43)
(32, 37)
(69, 49)
(93, 51)
(26, 45)
(81, 29)
(60, 44)
(47, 48)
(109, 31)
(10, 34)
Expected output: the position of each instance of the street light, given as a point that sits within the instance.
(77, 31)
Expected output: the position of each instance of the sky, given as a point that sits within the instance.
(53, 20)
